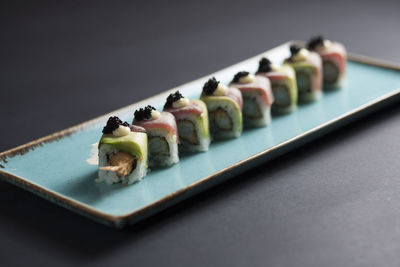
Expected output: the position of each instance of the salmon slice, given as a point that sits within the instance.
(261, 84)
(191, 108)
(165, 121)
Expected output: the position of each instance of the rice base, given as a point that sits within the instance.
(111, 177)
(310, 96)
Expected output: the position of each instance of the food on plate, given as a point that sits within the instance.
(162, 134)
(257, 98)
(308, 68)
(122, 153)
(192, 121)
(155, 137)
(283, 85)
(224, 106)
(334, 57)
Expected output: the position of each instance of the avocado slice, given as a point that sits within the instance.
(304, 73)
(203, 118)
(135, 143)
(291, 81)
(215, 101)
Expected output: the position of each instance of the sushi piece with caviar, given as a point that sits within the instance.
(334, 57)
(122, 153)
(257, 98)
(224, 108)
(162, 134)
(192, 121)
(283, 85)
(308, 68)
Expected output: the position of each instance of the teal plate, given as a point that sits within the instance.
(70, 180)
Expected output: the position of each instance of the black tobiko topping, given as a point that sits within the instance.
(239, 75)
(294, 49)
(144, 113)
(315, 42)
(112, 124)
(264, 65)
(210, 86)
(172, 98)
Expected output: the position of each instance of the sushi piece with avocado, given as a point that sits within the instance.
(283, 85)
(192, 120)
(162, 133)
(257, 98)
(308, 68)
(334, 58)
(122, 153)
(224, 106)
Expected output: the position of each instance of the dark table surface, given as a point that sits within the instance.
(335, 202)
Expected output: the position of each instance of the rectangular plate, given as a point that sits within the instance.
(55, 167)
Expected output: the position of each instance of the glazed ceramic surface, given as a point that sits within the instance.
(70, 178)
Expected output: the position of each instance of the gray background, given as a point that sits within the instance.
(334, 202)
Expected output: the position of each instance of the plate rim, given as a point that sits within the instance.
(121, 220)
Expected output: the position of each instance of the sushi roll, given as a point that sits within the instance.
(308, 68)
(225, 109)
(334, 57)
(122, 153)
(257, 98)
(162, 134)
(192, 121)
(283, 84)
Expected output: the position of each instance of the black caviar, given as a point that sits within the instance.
(294, 49)
(112, 124)
(144, 113)
(264, 65)
(210, 86)
(172, 98)
(315, 42)
(239, 75)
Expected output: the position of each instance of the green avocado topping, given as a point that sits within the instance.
(135, 143)
(225, 100)
(203, 118)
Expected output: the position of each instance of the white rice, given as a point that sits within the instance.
(111, 177)
(276, 110)
(310, 96)
(338, 84)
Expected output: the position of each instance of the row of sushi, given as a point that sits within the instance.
(154, 138)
